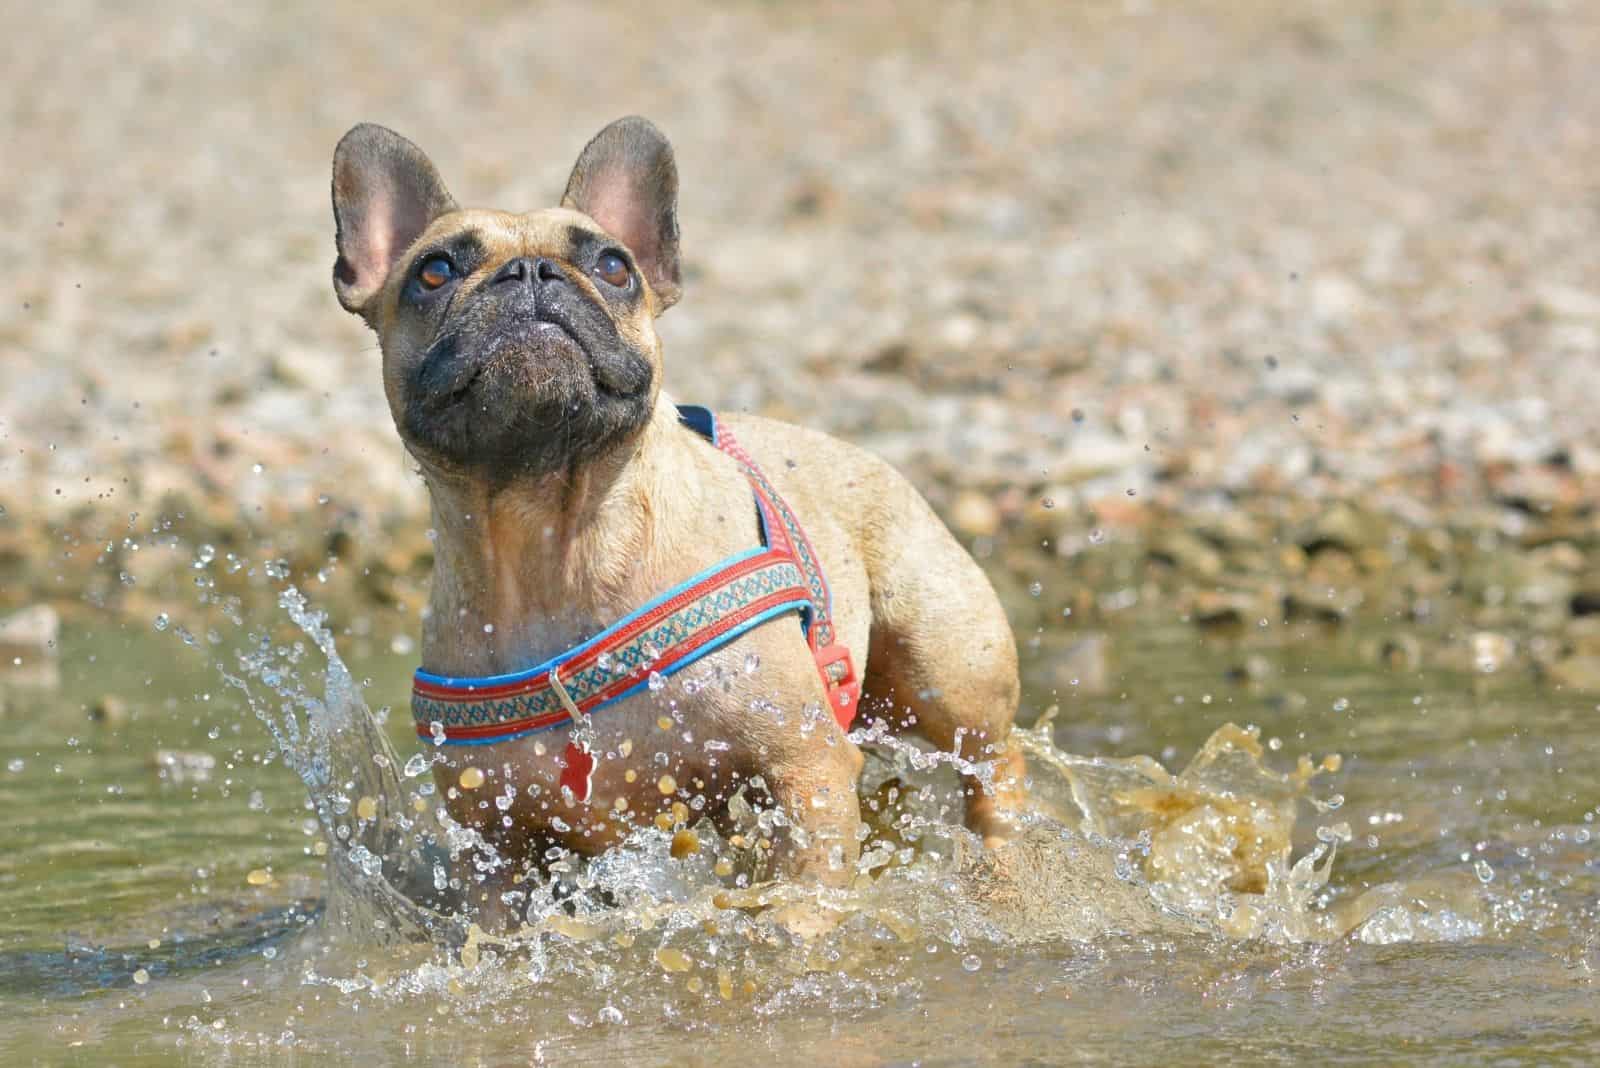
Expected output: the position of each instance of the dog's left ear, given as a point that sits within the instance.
(626, 180)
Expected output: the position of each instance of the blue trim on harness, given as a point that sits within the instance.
(709, 647)
(482, 681)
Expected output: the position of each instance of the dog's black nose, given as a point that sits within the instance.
(517, 270)
(528, 270)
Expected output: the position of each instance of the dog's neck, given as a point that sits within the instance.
(526, 570)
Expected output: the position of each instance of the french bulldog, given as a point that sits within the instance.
(525, 376)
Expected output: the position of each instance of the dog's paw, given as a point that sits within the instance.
(806, 920)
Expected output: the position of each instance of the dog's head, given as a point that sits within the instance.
(513, 345)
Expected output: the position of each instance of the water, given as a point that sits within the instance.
(244, 864)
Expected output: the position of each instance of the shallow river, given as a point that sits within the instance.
(169, 892)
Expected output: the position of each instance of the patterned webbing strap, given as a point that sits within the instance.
(665, 636)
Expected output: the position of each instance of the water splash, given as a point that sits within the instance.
(385, 835)
(1114, 847)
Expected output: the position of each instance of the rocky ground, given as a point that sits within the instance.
(1286, 312)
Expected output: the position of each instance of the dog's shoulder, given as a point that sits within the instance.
(828, 479)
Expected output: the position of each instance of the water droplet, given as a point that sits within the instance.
(162, 620)
(971, 963)
(270, 952)
(751, 664)
(436, 732)
(488, 628)
(15, 764)
(673, 960)
(604, 662)
(657, 681)
(1484, 872)
(141, 977)
(1048, 502)
(1035, 589)
(610, 1014)
(1096, 536)
(416, 765)
(1341, 705)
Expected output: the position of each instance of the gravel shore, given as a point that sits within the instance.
(1074, 268)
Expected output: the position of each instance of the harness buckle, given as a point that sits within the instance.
(838, 673)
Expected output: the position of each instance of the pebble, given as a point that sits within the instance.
(32, 632)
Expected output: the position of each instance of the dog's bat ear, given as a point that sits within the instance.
(385, 193)
(627, 181)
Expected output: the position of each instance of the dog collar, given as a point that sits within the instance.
(663, 637)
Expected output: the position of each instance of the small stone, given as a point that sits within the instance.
(1580, 672)
(1491, 651)
(1187, 552)
(1254, 668)
(667, 785)
(471, 778)
(1585, 602)
(108, 709)
(258, 877)
(1301, 605)
(1569, 303)
(33, 632)
(1221, 608)
(1402, 652)
(367, 808)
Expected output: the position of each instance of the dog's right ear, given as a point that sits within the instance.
(385, 193)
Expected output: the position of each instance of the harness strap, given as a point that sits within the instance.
(661, 638)
(782, 532)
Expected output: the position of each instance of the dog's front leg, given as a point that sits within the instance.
(820, 839)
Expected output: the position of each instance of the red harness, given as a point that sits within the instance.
(665, 636)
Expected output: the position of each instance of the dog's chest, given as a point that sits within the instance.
(658, 761)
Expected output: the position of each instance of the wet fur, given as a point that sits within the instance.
(553, 523)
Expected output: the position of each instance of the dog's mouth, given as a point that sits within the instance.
(452, 371)
(529, 386)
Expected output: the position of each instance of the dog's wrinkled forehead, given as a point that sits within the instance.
(497, 235)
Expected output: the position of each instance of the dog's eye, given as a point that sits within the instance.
(435, 272)
(612, 269)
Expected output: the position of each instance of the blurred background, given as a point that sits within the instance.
(1276, 300)
(1251, 347)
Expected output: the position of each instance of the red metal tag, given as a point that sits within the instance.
(577, 772)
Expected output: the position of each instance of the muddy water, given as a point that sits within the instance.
(189, 877)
